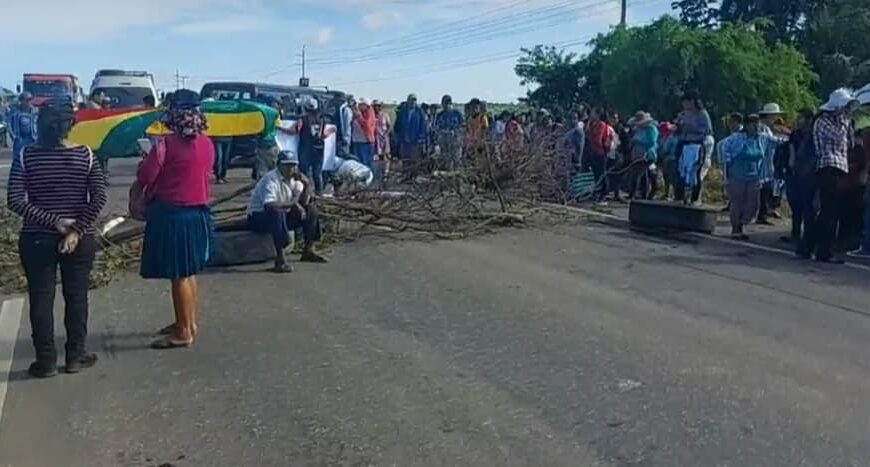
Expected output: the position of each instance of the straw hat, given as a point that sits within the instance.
(840, 99)
(770, 109)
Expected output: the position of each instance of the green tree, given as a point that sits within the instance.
(557, 75)
(837, 43)
(647, 68)
(696, 13)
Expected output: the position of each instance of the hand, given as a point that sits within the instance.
(302, 212)
(63, 225)
(69, 243)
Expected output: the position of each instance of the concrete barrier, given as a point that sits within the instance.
(672, 216)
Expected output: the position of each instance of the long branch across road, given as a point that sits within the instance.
(574, 346)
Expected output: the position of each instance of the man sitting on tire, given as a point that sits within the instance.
(282, 200)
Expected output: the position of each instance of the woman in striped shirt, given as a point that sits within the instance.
(58, 190)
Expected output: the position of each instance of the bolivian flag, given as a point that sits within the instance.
(113, 133)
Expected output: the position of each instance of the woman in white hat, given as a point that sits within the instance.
(832, 134)
(771, 115)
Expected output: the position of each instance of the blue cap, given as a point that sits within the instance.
(287, 158)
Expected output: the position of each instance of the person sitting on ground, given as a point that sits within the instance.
(282, 200)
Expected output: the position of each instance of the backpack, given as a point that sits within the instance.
(806, 159)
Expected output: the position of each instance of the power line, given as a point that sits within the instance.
(523, 22)
(434, 31)
(472, 62)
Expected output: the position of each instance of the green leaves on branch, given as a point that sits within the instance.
(647, 68)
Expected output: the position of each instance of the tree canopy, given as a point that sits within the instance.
(832, 33)
(647, 68)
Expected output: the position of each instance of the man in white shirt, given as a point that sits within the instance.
(282, 201)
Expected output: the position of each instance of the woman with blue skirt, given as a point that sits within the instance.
(179, 232)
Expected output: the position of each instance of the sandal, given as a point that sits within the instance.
(166, 343)
(170, 329)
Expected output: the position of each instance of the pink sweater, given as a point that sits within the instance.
(177, 170)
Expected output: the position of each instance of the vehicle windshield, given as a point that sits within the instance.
(42, 88)
(226, 93)
(126, 96)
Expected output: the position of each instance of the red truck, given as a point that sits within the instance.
(45, 86)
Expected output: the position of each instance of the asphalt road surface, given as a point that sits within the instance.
(571, 346)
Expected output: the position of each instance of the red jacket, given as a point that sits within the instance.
(599, 138)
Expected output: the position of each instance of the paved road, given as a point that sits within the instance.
(572, 346)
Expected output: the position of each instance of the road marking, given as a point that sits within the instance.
(5, 166)
(715, 238)
(10, 320)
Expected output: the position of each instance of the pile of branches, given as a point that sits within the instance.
(110, 261)
(491, 185)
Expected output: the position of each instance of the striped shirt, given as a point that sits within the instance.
(58, 183)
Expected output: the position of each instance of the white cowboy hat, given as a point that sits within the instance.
(863, 95)
(640, 118)
(840, 99)
(362, 101)
(770, 109)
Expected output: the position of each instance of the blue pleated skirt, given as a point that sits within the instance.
(179, 241)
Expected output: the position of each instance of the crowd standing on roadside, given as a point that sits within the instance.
(819, 165)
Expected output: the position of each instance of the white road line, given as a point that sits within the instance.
(715, 238)
(10, 320)
(5, 166)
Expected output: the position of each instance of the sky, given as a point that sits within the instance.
(378, 49)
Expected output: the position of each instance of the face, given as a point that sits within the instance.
(412, 101)
(688, 105)
(476, 109)
(378, 108)
(446, 104)
(752, 128)
(288, 170)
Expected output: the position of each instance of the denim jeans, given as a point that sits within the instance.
(365, 152)
(311, 164)
(223, 149)
(278, 224)
(40, 259)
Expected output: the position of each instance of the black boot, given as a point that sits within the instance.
(281, 264)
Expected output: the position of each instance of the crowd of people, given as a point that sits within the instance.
(819, 164)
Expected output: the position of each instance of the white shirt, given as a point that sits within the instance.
(273, 188)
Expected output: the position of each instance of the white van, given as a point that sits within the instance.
(125, 88)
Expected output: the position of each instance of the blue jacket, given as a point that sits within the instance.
(411, 126)
(22, 124)
(451, 120)
(743, 156)
(575, 144)
(646, 140)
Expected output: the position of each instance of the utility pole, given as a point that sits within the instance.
(303, 61)
(180, 80)
(624, 12)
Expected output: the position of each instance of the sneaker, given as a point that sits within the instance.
(42, 370)
(76, 365)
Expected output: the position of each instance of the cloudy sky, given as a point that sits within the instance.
(373, 48)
